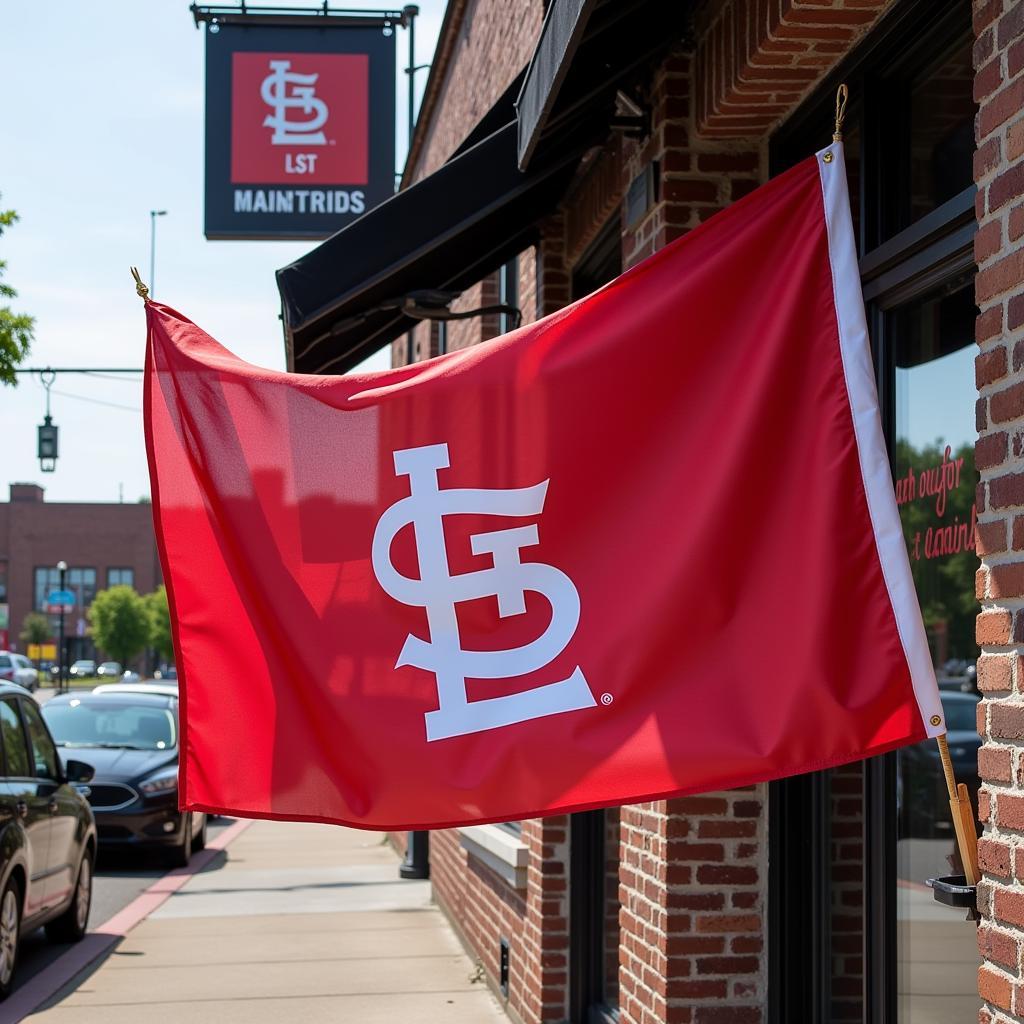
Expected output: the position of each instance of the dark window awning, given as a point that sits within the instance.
(588, 50)
(340, 301)
(344, 300)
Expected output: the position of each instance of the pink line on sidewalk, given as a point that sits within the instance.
(49, 981)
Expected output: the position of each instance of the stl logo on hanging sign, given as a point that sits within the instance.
(508, 579)
(299, 118)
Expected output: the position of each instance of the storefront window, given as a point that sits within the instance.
(933, 466)
(852, 848)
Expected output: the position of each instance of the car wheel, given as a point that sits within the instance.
(181, 854)
(10, 926)
(199, 842)
(72, 924)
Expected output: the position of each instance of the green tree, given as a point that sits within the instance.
(35, 628)
(120, 622)
(15, 328)
(160, 622)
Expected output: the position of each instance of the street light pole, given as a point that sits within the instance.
(62, 568)
(153, 214)
(411, 11)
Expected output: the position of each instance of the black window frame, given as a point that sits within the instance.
(897, 264)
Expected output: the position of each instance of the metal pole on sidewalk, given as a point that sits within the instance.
(417, 856)
(417, 847)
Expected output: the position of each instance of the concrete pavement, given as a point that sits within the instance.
(293, 922)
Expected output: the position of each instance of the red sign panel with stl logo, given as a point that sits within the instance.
(299, 118)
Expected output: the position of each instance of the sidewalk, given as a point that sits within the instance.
(294, 922)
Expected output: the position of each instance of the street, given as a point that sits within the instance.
(121, 876)
(289, 921)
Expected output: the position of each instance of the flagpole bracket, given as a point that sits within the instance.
(955, 891)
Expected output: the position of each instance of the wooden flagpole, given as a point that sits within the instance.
(962, 813)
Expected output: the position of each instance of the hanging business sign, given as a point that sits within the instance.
(300, 127)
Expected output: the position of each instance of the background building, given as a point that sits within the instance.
(102, 544)
(562, 142)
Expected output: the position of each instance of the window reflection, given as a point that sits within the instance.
(942, 142)
(935, 478)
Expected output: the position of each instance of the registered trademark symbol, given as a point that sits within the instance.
(606, 698)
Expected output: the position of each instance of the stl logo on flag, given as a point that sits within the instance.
(300, 118)
(508, 579)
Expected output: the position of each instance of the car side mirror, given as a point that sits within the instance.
(79, 771)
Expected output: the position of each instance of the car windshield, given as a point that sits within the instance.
(5, 661)
(961, 715)
(135, 726)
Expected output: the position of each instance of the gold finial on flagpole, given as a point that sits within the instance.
(142, 290)
(842, 95)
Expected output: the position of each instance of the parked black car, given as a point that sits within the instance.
(132, 742)
(47, 834)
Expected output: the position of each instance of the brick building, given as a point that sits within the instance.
(103, 545)
(561, 142)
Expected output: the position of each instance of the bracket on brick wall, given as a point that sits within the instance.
(434, 304)
(632, 116)
(954, 891)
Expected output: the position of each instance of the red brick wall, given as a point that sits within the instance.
(492, 41)
(999, 290)
(98, 536)
(698, 176)
(757, 59)
(692, 874)
(485, 908)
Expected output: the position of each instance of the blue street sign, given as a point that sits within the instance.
(61, 597)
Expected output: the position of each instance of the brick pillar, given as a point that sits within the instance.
(553, 285)
(545, 936)
(697, 176)
(999, 454)
(691, 881)
(757, 60)
(693, 871)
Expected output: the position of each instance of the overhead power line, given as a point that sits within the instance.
(80, 369)
(98, 401)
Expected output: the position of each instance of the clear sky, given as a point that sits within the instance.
(102, 122)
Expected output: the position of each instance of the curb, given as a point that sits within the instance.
(49, 981)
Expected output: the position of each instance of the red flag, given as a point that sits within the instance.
(645, 546)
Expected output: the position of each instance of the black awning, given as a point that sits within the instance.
(445, 232)
(563, 31)
(588, 50)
